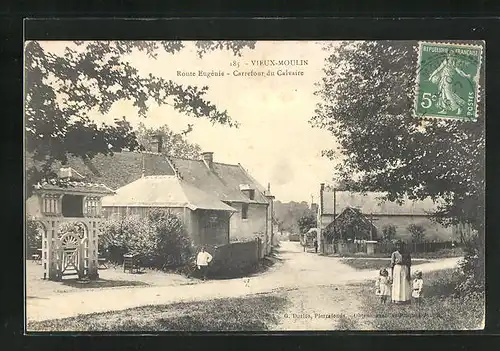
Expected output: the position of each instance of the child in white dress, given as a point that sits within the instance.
(383, 285)
(417, 287)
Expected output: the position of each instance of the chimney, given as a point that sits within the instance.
(208, 158)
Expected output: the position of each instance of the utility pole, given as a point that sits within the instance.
(371, 226)
(335, 214)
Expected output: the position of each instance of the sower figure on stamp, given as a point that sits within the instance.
(202, 261)
(401, 277)
(443, 77)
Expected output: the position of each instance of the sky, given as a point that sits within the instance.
(274, 142)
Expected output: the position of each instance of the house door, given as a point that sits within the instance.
(214, 228)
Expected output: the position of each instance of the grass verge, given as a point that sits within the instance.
(372, 264)
(255, 313)
(439, 310)
(444, 253)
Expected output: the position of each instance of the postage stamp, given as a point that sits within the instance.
(447, 81)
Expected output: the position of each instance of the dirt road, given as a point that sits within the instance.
(307, 278)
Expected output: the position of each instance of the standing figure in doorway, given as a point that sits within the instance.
(316, 245)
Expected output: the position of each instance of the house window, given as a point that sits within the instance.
(251, 194)
(244, 211)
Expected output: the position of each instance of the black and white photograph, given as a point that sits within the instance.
(254, 186)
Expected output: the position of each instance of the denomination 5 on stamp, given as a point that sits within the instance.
(447, 81)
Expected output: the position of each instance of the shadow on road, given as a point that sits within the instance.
(102, 283)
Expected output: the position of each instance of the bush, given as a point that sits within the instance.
(159, 239)
(388, 233)
(472, 274)
(417, 232)
(126, 235)
(33, 235)
(173, 246)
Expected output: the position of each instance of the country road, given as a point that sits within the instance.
(305, 277)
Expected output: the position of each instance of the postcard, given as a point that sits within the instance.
(257, 186)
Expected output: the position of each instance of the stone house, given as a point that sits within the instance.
(218, 202)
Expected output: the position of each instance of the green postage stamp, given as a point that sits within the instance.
(447, 81)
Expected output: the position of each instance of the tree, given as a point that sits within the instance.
(417, 232)
(288, 213)
(60, 91)
(306, 222)
(389, 233)
(367, 99)
(174, 144)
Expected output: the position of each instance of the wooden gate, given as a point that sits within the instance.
(71, 257)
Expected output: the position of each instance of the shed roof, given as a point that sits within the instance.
(164, 191)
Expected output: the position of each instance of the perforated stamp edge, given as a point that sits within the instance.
(416, 88)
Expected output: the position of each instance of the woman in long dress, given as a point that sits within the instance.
(401, 265)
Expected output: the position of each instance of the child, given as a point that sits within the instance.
(382, 285)
(417, 287)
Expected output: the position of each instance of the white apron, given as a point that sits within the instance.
(401, 288)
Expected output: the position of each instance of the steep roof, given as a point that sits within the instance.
(222, 181)
(371, 203)
(164, 191)
(122, 168)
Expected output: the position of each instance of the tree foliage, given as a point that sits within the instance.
(61, 90)
(160, 239)
(306, 222)
(287, 214)
(417, 232)
(389, 233)
(33, 235)
(174, 144)
(367, 98)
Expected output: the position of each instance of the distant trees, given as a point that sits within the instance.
(389, 233)
(307, 222)
(174, 144)
(417, 232)
(287, 214)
